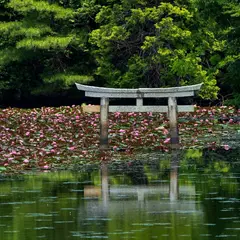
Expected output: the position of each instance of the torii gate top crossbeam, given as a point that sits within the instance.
(100, 92)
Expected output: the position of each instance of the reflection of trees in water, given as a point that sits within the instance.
(63, 186)
(231, 156)
(208, 161)
(134, 170)
(219, 197)
(137, 173)
(142, 172)
(218, 186)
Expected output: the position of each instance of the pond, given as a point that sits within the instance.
(193, 194)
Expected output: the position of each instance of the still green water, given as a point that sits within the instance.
(190, 195)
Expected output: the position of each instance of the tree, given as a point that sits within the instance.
(155, 44)
(226, 15)
(232, 60)
(44, 45)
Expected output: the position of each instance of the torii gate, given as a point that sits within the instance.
(172, 109)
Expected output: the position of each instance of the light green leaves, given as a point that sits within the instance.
(45, 43)
(170, 30)
(28, 6)
(233, 9)
(15, 29)
(2, 169)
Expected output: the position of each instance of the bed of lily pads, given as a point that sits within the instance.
(51, 138)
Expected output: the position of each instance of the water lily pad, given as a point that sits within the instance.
(2, 169)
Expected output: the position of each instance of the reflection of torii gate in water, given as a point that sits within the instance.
(115, 198)
(140, 191)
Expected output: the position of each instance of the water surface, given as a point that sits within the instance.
(189, 195)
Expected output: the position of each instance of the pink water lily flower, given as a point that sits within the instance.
(165, 131)
(167, 140)
(46, 167)
(226, 147)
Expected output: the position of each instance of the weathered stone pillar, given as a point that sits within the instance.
(173, 122)
(104, 109)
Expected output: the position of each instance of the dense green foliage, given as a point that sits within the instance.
(46, 46)
(154, 44)
(226, 17)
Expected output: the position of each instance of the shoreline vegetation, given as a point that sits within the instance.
(57, 138)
